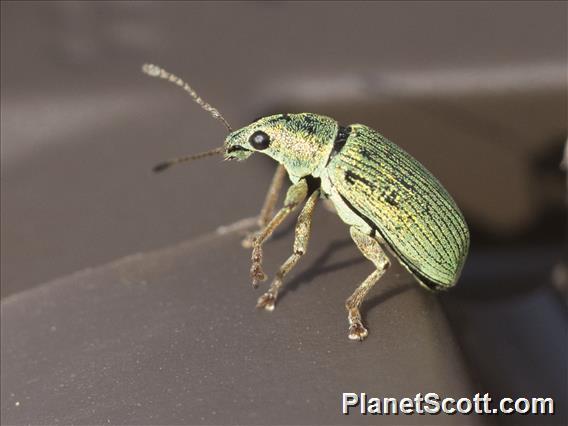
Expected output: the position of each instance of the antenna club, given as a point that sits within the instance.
(152, 70)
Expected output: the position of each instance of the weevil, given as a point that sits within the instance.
(386, 197)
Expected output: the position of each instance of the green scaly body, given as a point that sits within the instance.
(375, 186)
(401, 200)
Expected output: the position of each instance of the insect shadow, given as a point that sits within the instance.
(383, 297)
(318, 267)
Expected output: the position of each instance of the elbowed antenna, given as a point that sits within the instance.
(156, 71)
(163, 166)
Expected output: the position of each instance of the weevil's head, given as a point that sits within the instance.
(300, 142)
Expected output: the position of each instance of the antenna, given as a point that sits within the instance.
(166, 164)
(156, 71)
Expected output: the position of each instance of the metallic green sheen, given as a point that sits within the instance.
(375, 186)
(411, 210)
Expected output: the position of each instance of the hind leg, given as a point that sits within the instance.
(371, 249)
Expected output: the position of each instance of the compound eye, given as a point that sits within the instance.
(259, 140)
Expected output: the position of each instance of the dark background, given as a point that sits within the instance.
(475, 91)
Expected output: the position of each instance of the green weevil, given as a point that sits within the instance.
(386, 197)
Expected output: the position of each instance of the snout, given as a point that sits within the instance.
(237, 152)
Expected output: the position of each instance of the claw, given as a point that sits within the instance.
(357, 331)
(266, 301)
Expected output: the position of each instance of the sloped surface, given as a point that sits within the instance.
(172, 337)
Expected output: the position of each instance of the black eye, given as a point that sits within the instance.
(259, 140)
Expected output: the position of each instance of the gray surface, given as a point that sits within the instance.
(172, 337)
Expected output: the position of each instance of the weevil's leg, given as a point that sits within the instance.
(269, 204)
(371, 249)
(272, 196)
(303, 227)
(295, 195)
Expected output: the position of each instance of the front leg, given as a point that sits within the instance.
(302, 236)
(268, 206)
(295, 195)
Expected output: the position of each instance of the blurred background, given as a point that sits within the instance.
(476, 91)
